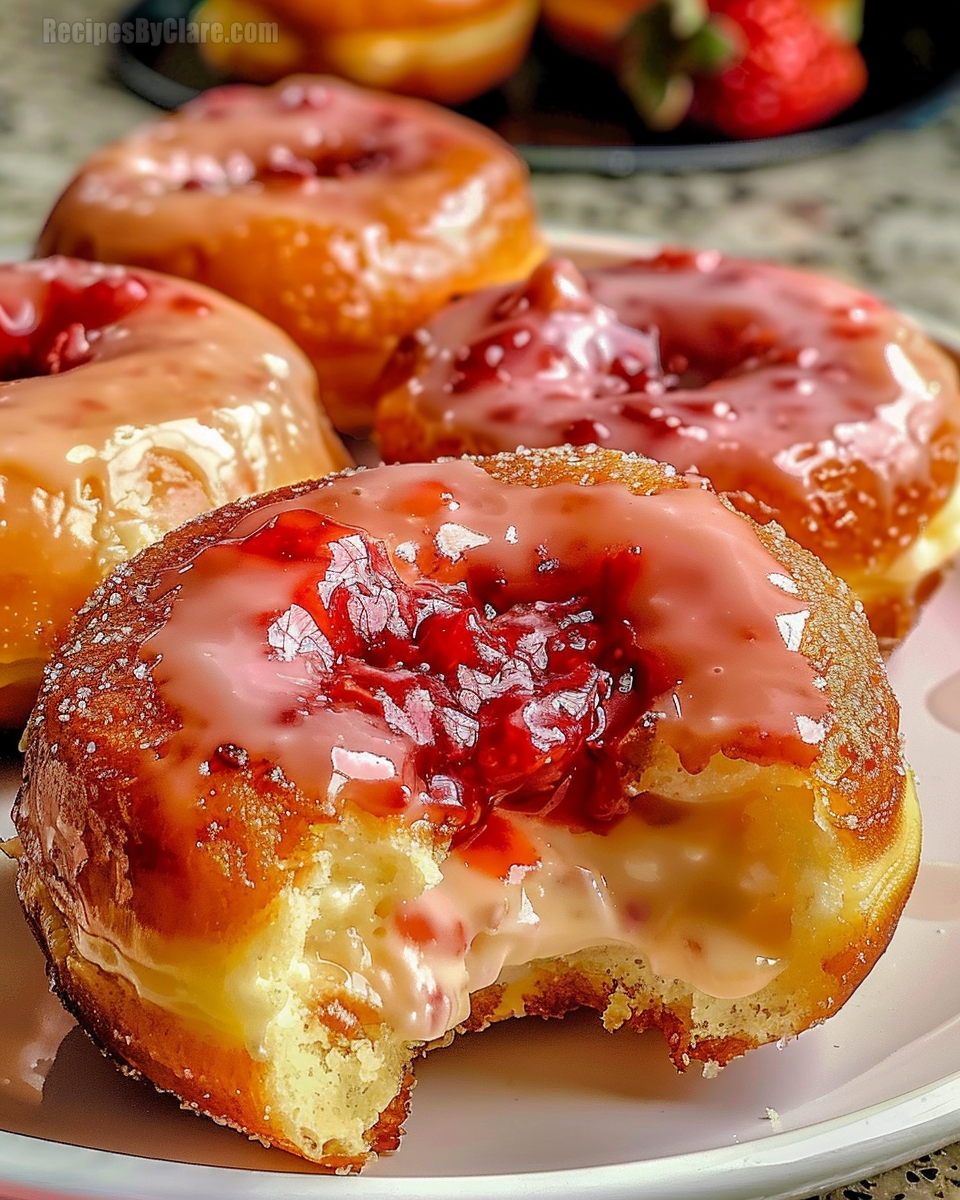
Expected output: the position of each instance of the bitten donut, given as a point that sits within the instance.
(128, 403)
(445, 50)
(804, 399)
(481, 739)
(344, 216)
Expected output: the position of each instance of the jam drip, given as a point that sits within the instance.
(522, 709)
(59, 332)
(430, 643)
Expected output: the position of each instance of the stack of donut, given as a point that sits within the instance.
(274, 859)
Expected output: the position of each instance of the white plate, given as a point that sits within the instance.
(561, 1110)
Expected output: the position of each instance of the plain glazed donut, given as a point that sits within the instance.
(804, 399)
(444, 50)
(344, 216)
(481, 739)
(128, 403)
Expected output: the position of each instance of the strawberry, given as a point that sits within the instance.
(793, 74)
(660, 51)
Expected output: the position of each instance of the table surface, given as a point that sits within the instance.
(885, 214)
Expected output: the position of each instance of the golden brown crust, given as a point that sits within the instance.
(853, 816)
(210, 1076)
(838, 640)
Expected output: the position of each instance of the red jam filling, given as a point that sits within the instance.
(522, 709)
(49, 331)
(542, 341)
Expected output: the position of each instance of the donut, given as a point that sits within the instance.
(128, 403)
(344, 216)
(595, 29)
(444, 50)
(804, 399)
(482, 738)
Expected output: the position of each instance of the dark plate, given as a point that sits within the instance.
(565, 114)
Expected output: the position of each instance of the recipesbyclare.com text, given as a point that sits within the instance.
(143, 32)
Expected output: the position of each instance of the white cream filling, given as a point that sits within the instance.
(694, 902)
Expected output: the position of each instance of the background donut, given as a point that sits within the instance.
(346, 217)
(129, 403)
(804, 399)
(444, 50)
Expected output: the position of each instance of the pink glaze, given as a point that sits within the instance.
(90, 354)
(344, 216)
(436, 642)
(366, 171)
(808, 399)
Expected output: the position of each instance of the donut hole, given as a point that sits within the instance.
(283, 167)
(304, 133)
(57, 330)
(734, 344)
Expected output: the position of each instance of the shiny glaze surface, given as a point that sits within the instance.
(345, 216)
(456, 581)
(805, 399)
(129, 402)
(388, 653)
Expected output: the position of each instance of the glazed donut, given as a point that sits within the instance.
(344, 216)
(804, 399)
(592, 29)
(444, 50)
(482, 738)
(129, 403)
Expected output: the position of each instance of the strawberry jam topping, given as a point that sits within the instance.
(51, 323)
(500, 707)
(480, 645)
(805, 399)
